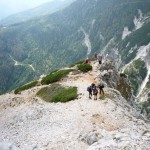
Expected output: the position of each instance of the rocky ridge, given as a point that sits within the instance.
(28, 122)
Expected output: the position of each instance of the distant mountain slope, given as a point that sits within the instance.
(47, 8)
(115, 27)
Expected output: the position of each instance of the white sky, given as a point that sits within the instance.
(16, 4)
(8, 7)
(26, 2)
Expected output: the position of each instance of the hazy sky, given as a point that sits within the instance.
(8, 7)
(21, 4)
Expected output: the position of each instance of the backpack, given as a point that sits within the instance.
(88, 88)
(101, 85)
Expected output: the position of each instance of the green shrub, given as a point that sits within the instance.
(123, 75)
(25, 87)
(84, 67)
(57, 93)
(124, 88)
(55, 76)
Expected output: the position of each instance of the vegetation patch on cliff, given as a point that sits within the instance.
(84, 67)
(124, 87)
(55, 76)
(57, 93)
(26, 87)
(136, 73)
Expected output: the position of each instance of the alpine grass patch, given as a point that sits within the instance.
(84, 67)
(57, 93)
(26, 87)
(55, 76)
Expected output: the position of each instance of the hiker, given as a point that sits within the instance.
(95, 56)
(99, 58)
(101, 86)
(95, 92)
(86, 61)
(93, 86)
(89, 89)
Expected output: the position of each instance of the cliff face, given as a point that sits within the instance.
(28, 122)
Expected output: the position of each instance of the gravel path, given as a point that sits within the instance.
(29, 123)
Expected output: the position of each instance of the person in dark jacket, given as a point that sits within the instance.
(101, 86)
(89, 89)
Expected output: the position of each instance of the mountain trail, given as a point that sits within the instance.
(28, 122)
